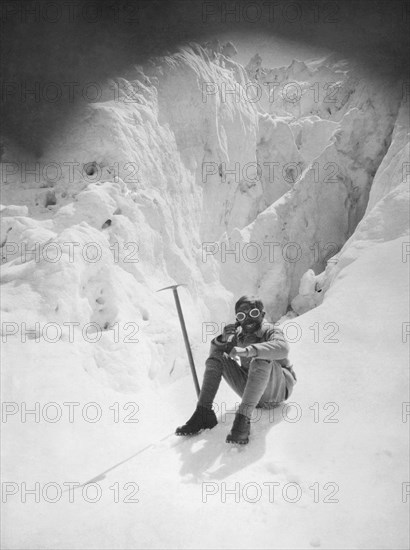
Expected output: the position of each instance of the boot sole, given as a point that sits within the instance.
(245, 442)
(193, 433)
(198, 432)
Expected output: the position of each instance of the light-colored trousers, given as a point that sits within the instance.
(266, 384)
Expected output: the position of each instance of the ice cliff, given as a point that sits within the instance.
(193, 169)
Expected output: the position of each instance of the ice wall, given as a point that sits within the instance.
(386, 217)
(341, 119)
(171, 168)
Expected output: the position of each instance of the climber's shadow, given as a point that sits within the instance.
(207, 455)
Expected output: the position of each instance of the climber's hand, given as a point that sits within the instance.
(228, 331)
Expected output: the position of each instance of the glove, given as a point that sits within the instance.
(229, 332)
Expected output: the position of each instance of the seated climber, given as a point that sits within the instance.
(264, 378)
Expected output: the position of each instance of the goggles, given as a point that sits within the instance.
(241, 316)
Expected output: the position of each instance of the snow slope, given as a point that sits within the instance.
(129, 367)
(358, 380)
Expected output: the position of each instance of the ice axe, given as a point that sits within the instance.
(184, 332)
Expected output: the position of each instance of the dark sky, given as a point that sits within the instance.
(76, 41)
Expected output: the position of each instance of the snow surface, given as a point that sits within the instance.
(348, 344)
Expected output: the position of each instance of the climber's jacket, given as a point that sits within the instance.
(267, 343)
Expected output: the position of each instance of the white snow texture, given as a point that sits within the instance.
(291, 183)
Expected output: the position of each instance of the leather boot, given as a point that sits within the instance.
(240, 430)
(202, 419)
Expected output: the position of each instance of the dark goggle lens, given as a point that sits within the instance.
(241, 316)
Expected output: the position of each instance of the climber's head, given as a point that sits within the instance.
(249, 313)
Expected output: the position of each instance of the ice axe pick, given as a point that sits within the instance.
(184, 333)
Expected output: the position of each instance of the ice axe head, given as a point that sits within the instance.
(172, 286)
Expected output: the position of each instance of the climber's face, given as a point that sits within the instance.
(249, 317)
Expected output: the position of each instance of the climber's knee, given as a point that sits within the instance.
(260, 363)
